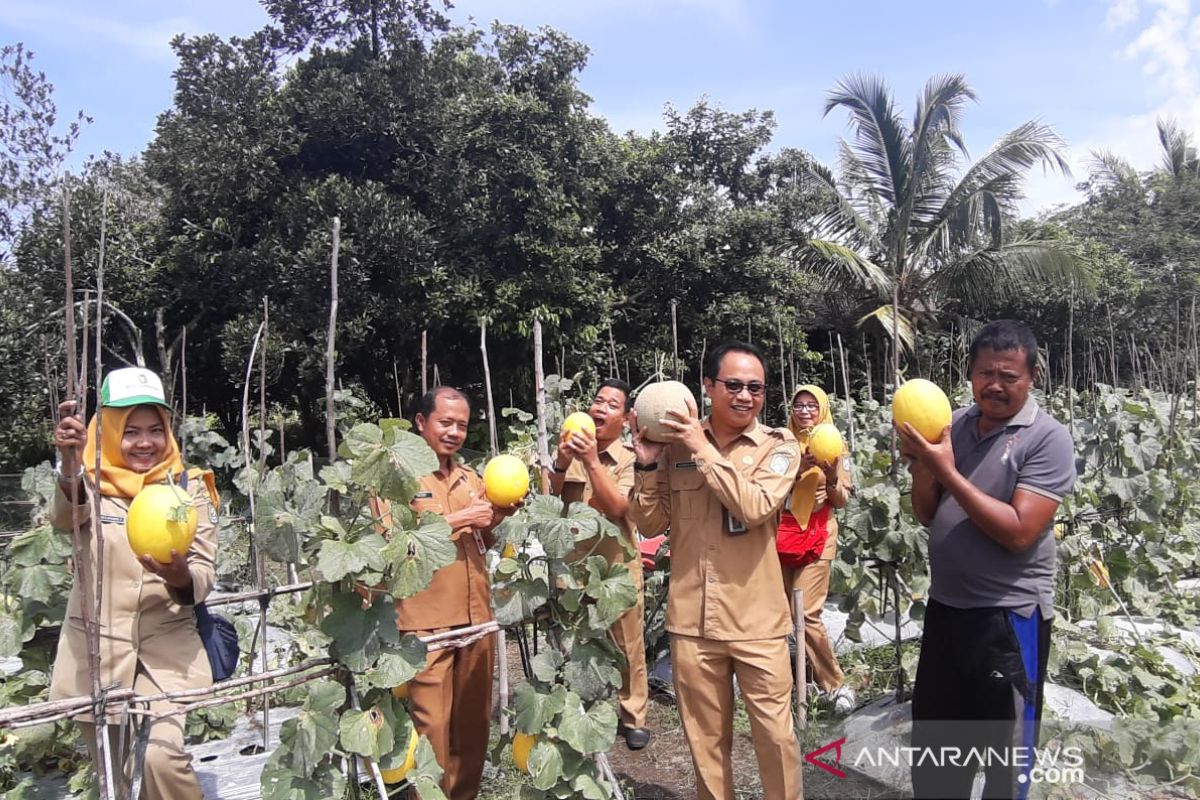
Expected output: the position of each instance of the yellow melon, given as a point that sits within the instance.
(655, 400)
(509, 551)
(578, 423)
(400, 692)
(522, 746)
(410, 760)
(161, 518)
(924, 406)
(825, 443)
(505, 480)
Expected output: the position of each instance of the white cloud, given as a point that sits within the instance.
(1120, 13)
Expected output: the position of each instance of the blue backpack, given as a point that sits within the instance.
(220, 641)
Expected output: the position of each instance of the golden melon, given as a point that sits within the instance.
(924, 406)
(400, 692)
(522, 746)
(161, 518)
(505, 480)
(509, 551)
(825, 443)
(655, 400)
(401, 772)
(578, 423)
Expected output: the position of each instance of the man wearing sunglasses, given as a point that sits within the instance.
(718, 484)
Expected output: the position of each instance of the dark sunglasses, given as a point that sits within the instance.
(735, 386)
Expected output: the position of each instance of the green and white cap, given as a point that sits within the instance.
(131, 386)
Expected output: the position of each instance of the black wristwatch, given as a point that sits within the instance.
(645, 467)
(558, 470)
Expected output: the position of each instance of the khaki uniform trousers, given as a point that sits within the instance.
(704, 670)
(813, 579)
(450, 702)
(628, 635)
(168, 773)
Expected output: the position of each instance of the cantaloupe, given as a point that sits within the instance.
(655, 400)
(924, 406)
(522, 746)
(401, 772)
(825, 443)
(161, 518)
(505, 480)
(577, 423)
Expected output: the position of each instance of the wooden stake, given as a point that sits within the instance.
(846, 388)
(539, 388)
(675, 341)
(487, 381)
(330, 352)
(396, 379)
(424, 362)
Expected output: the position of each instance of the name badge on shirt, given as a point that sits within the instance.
(423, 496)
(479, 542)
(685, 465)
(733, 525)
(114, 519)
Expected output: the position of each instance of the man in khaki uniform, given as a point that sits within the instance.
(719, 484)
(599, 471)
(451, 699)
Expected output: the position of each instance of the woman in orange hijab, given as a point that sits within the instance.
(148, 636)
(807, 540)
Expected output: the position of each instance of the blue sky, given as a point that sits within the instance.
(1098, 71)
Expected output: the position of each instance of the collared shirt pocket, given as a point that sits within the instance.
(686, 484)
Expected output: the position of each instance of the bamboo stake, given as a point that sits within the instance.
(396, 380)
(539, 390)
(255, 554)
(612, 348)
(846, 388)
(487, 380)
(1071, 361)
(184, 387)
(675, 341)
(424, 362)
(330, 352)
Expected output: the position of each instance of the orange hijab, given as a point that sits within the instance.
(116, 479)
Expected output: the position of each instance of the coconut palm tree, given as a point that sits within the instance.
(912, 225)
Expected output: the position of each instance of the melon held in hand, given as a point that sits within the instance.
(161, 519)
(578, 423)
(505, 481)
(655, 400)
(825, 443)
(924, 406)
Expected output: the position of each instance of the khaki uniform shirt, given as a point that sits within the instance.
(724, 586)
(141, 618)
(460, 593)
(618, 459)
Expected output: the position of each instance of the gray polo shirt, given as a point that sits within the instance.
(1032, 451)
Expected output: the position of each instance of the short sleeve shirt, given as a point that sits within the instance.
(1032, 451)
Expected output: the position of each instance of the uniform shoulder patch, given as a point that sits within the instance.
(781, 459)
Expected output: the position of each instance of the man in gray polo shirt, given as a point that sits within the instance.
(988, 492)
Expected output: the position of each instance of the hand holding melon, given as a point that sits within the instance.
(505, 480)
(653, 403)
(923, 405)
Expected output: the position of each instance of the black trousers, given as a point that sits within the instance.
(977, 701)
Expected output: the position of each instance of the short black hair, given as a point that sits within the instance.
(429, 399)
(620, 386)
(1005, 334)
(712, 362)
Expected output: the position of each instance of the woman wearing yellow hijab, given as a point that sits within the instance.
(148, 636)
(807, 540)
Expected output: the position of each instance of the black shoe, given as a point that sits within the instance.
(636, 738)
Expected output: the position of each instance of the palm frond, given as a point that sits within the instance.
(882, 139)
(841, 220)
(989, 275)
(1106, 169)
(895, 327)
(1179, 156)
(833, 258)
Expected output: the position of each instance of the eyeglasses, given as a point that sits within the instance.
(735, 386)
(806, 407)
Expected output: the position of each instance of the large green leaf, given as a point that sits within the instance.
(545, 765)
(556, 532)
(366, 732)
(587, 729)
(38, 546)
(279, 781)
(591, 672)
(534, 710)
(10, 636)
(311, 736)
(517, 600)
(415, 555)
(359, 635)
(397, 665)
(613, 589)
(392, 464)
(337, 559)
(426, 774)
(40, 583)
